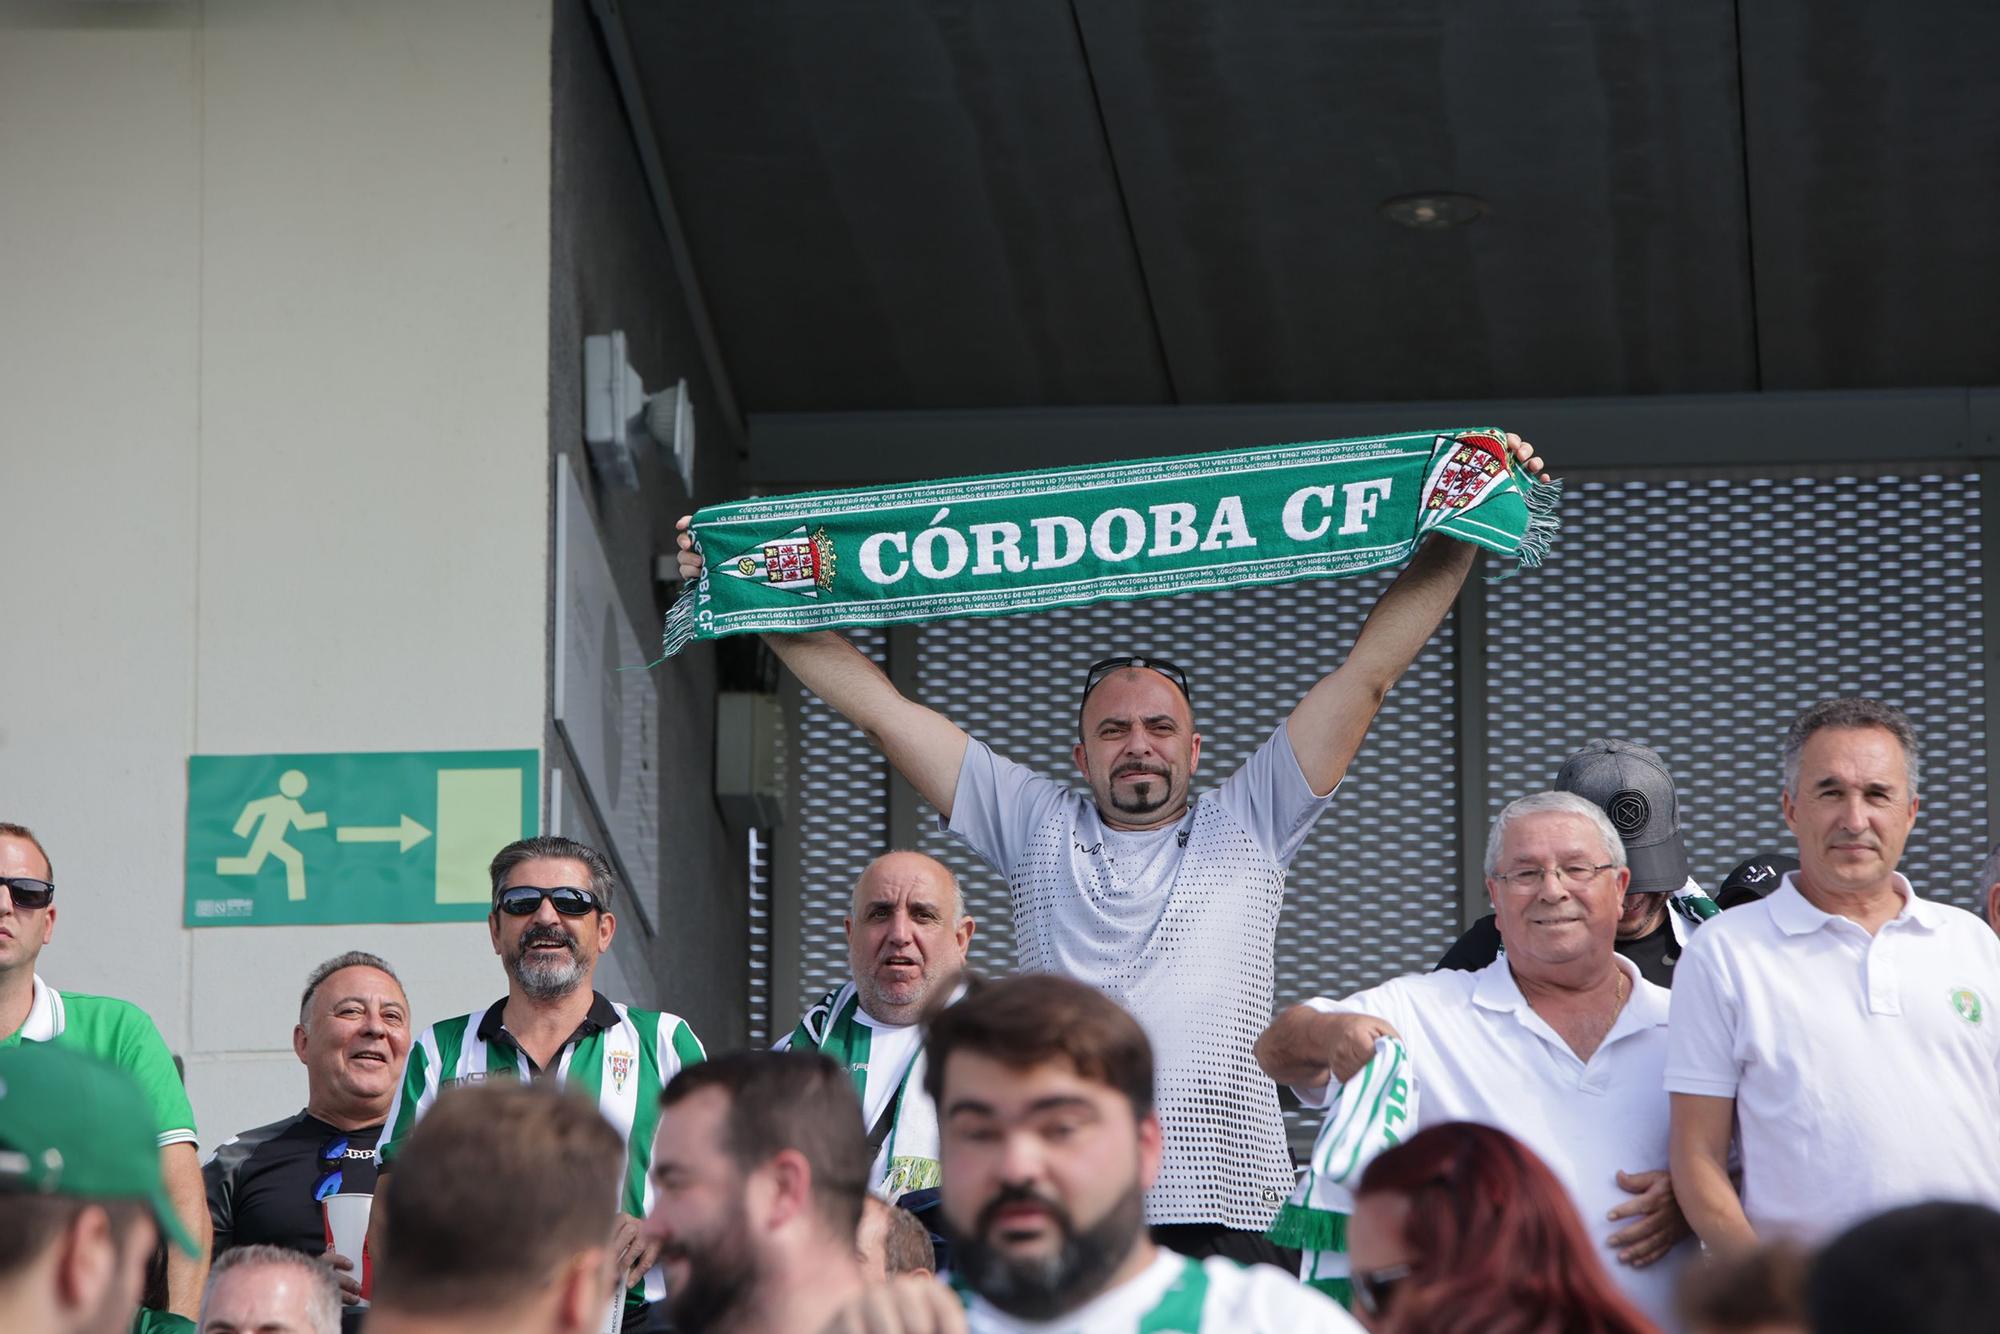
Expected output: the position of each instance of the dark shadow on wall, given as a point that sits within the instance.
(610, 269)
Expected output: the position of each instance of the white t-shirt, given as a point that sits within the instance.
(1177, 1295)
(1177, 925)
(1479, 1052)
(1865, 1069)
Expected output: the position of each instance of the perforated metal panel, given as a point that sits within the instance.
(1700, 615)
(839, 810)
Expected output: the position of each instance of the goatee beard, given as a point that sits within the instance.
(1046, 1288)
(546, 977)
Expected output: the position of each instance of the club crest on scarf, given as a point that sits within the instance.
(621, 1067)
(1465, 474)
(798, 562)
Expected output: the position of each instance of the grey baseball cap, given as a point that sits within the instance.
(1633, 786)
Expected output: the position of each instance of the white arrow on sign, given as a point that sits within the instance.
(409, 833)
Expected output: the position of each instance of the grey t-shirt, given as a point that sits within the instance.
(1178, 925)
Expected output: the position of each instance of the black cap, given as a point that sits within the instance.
(1633, 786)
(1754, 878)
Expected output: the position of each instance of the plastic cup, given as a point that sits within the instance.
(346, 1216)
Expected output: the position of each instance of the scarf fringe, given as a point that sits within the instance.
(1300, 1227)
(678, 632)
(1544, 501)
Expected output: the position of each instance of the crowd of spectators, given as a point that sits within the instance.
(1617, 1105)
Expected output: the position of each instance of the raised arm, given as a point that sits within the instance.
(1327, 728)
(926, 747)
(1700, 1156)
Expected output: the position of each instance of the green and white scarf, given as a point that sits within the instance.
(832, 1026)
(1027, 541)
(1375, 1110)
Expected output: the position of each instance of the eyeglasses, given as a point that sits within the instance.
(1373, 1288)
(331, 1155)
(1532, 877)
(526, 900)
(28, 893)
(1103, 667)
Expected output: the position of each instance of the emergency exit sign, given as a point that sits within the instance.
(393, 836)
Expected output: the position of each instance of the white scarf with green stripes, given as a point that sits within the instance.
(832, 1026)
(1375, 1110)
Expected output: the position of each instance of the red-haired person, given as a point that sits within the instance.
(1463, 1230)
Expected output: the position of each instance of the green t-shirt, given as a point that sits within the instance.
(118, 1033)
(161, 1322)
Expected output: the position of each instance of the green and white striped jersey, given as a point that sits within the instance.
(619, 1056)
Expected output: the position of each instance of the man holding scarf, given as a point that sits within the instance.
(1560, 1042)
(907, 934)
(1168, 904)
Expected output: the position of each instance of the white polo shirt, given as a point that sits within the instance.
(1865, 1069)
(1480, 1053)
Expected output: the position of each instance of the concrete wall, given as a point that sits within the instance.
(611, 269)
(274, 354)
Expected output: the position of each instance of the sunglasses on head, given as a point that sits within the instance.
(28, 893)
(526, 900)
(1103, 667)
(1374, 1287)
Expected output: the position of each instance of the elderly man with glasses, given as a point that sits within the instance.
(1167, 903)
(551, 921)
(1560, 1042)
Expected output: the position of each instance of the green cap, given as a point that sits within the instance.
(72, 1125)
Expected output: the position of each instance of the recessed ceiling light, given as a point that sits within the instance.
(1436, 211)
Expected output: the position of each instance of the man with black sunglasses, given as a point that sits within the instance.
(265, 1186)
(551, 921)
(1166, 903)
(114, 1031)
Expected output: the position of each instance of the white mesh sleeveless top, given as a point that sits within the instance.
(1177, 925)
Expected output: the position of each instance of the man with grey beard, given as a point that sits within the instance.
(551, 921)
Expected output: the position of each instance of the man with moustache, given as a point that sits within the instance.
(1560, 1041)
(265, 1185)
(907, 934)
(759, 1172)
(551, 921)
(1843, 1027)
(1045, 1090)
(1167, 902)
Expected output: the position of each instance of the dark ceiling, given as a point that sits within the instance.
(895, 205)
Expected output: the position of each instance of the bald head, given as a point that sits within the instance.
(907, 934)
(892, 867)
(1137, 748)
